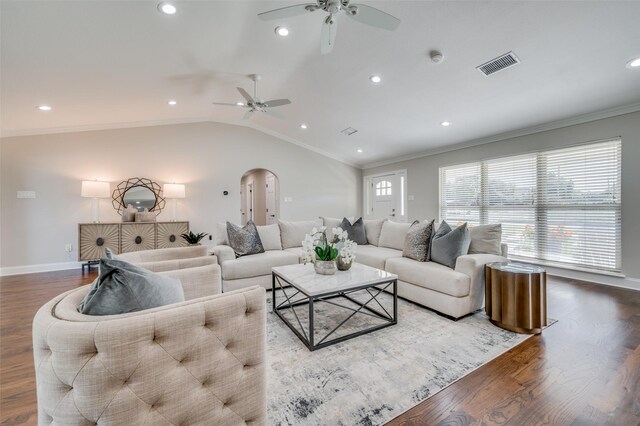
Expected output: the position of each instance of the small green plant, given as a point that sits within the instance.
(192, 238)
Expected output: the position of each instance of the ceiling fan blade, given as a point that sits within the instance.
(245, 94)
(328, 35)
(277, 102)
(247, 115)
(274, 114)
(226, 104)
(374, 17)
(288, 12)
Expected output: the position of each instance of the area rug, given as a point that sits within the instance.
(373, 378)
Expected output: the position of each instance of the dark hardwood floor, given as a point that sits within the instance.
(584, 370)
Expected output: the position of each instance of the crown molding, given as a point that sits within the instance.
(585, 118)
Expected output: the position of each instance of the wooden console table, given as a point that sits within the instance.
(516, 296)
(125, 237)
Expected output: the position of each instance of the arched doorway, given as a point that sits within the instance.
(259, 197)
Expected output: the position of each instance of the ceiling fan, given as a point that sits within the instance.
(254, 104)
(359, 12)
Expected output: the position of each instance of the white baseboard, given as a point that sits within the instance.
(44, 267)
(624, 282)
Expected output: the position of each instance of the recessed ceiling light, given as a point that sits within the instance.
(239, 104)
(282, 31)
(303, 126)
(44, 107)
(359, 151)
(172, 103)
(634, 63)
(375, 79)
(167, 8)
(445, 124)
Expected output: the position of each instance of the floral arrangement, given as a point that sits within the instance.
(348, 251)
(316, 245)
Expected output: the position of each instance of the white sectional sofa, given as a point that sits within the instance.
(452, 292)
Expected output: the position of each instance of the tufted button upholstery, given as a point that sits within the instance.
(159, 366)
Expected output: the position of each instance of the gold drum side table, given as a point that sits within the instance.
(516, 296)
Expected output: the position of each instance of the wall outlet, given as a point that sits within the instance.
(411, 197)
(288, 199)
(68, 248)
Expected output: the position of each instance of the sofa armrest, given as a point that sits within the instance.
(188, 353)
(472, 265)
(224, 253)
(170, 265)
(504, 250)
(198, 282)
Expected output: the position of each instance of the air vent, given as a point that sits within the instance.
(348, 131)
(498, 64)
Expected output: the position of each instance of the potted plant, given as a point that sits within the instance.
(322, 251)
(194, 239)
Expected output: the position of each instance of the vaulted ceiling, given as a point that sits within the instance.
(118, 63)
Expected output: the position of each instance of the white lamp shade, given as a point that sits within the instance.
(95, 189)
(173, 190)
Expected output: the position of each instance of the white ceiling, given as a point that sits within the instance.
(115, 63)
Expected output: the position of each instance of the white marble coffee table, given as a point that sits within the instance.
(310, 288)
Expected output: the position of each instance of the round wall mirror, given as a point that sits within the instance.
(141, 193)
(140, 197)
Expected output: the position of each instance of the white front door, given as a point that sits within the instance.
(271, 199)
(386, 196)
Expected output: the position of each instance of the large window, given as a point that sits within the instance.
(558, 206)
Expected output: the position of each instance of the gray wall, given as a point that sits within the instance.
(207, 157)
(422, 173)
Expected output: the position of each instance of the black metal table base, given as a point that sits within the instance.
(308, 338)
(89, 264)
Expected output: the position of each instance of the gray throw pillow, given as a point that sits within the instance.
(417, 241)
(246, 240)
(355, 231)
(122, 288)
(447, 244)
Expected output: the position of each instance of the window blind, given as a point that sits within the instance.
(561, 205)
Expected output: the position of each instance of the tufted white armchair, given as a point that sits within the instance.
(199, 362)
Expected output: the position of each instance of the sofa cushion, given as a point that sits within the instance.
(246, 240)
(416, 244)
(430, 275)
(449, 244)
(375, 256)
(393, 234)
(221, 238)
(355, 231)
(486, 239)
(122, 288)
(270, 237)
(372, 229)
(298, 251)
(292, 233)
(257, 264)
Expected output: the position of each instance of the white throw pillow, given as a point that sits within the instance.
(331, 222)
(270, 237)
(486, 239)
(373, 228)
(393, 234)
(292, 233)
(221, 238)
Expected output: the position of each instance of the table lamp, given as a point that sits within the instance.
(95, 190)
(173, 191)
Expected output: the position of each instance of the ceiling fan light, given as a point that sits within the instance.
(634, 63)
(239, 104)
(375, 79)
(282, 31)
(167, 8)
